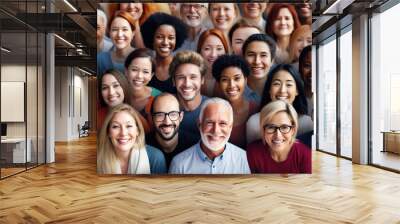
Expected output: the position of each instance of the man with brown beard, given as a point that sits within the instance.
(167, 117)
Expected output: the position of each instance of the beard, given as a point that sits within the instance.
(162, 135)
(213, 147)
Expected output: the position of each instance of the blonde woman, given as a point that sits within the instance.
(223, 15)
(279, 152)
(121, 145)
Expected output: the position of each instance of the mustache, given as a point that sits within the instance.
(167, 126)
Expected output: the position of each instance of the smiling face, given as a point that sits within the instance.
(240, 36)
(232, 83)
(166, 128)
(193, 14)
(111, 90)
(216, 126)
(123, 132)
(121, 33)
(283, 87)
(304, 10)
(301, 42)
(278, 141)
(139, 73)
(253, 10)
(258, 55)
(164, 40)
(222, 15)
(211, 49)
(188, 81)
(135, 9)
(283, 25)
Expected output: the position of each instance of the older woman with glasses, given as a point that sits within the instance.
(278, 151)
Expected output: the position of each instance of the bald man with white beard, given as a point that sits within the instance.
(213, 154)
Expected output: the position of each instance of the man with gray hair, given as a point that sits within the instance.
(103, 43)
(195, 16)
(213, 154)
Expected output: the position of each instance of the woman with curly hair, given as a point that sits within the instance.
(164, 34)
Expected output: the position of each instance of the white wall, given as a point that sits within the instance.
(71, 93)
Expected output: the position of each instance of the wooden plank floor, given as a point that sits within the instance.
(70, 191)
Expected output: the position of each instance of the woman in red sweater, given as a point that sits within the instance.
(278, 151)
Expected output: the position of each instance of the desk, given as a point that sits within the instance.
(15, 148)
(391, 141)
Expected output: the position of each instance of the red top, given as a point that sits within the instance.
(260, 161)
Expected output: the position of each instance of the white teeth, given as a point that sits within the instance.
(277, 142)
(233, 92)
(282, 97)
(114, 98)
(167, 129)
(123, 141)
(256, 70)
(164, 49)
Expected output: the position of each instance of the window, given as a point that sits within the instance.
(385, 85)
(346, 75)
(326, 104)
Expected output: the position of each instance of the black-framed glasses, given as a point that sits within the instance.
(284, 129)
(160, 116)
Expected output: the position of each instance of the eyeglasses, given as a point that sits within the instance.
(195, 6)
(160, 116)
(284, 129)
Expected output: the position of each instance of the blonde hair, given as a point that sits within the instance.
(300, 31)
(273, 108)
(187, 57)
(107, 160)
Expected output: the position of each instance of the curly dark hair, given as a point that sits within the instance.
(150, 26)
(225, 61)
(263, 38)
(300, 102)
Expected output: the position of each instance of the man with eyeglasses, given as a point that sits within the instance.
(194, 15)
(213, 154)
(167, 117)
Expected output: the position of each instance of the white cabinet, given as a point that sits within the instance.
(16, 148)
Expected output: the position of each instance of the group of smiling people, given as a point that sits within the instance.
(219, 88)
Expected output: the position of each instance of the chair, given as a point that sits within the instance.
(84, 130)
